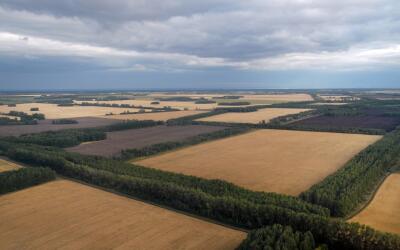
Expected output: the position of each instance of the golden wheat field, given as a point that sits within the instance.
(67, 215)
(383, 213)
(52, 111)
(7, 165)
(252, 117)
(281, 161)
(157, 116)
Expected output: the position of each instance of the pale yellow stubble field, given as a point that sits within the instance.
(383, 213)
(67, 215)
(280, 161)
(252, 117)
(52, 111)
(8, 165)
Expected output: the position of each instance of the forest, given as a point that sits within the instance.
(24, 177)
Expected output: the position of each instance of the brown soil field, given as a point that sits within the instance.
(46, 125)
(157, 116)
(252, 117)
(67, 215)
(138, 138)
(280, 161)
(7, 165)
(52, 111)
(383, 213)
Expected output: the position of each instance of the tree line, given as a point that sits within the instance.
(24, 177)
(278, 237)
(207, 199)
(166, 146)
(343, 191)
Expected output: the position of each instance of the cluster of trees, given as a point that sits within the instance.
(278, 237)
(204, 101)
(190, 118)
(228, 97)
(26, 117)
(21, 118)
(234, 209)
(166, 146)
(177, 99)
(24, 177)
(64, 121)
(343, 191)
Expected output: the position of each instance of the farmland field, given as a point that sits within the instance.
(252, 117)
(53, 111)
(383, 213)
(64, 214)
(137, 138)
(172, 104)
(279, 161)
(157, 116)
(7, 165)
(46, 125)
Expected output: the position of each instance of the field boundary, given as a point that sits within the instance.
(133, 160)
(371, 197)
(59, 177)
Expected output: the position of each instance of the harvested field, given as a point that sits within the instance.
(252, 117)
(46, 125)
(370, 119)
(68, 215)
(383, 213)
(281, 161)
(52, 111)
(172, 104)
(138, 138)
(157, 116)
(7, 165)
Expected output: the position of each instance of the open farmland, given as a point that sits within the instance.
(370, 118)
(383, 213)
(279, 161)
(252, 117)
(157, 116)
(64, 214)
(7, 165)
(137, 138)
(46, 125)
(53, 111)
(148, 103)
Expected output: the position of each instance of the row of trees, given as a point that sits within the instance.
(24, 177)
(116, 105)
(234, 210)
(64, 121)
(278, 237)
(350, 186)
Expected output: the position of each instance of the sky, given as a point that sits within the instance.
(208, 44)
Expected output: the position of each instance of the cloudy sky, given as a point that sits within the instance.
(144, 44)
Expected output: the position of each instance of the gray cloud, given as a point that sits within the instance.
(182, 35)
